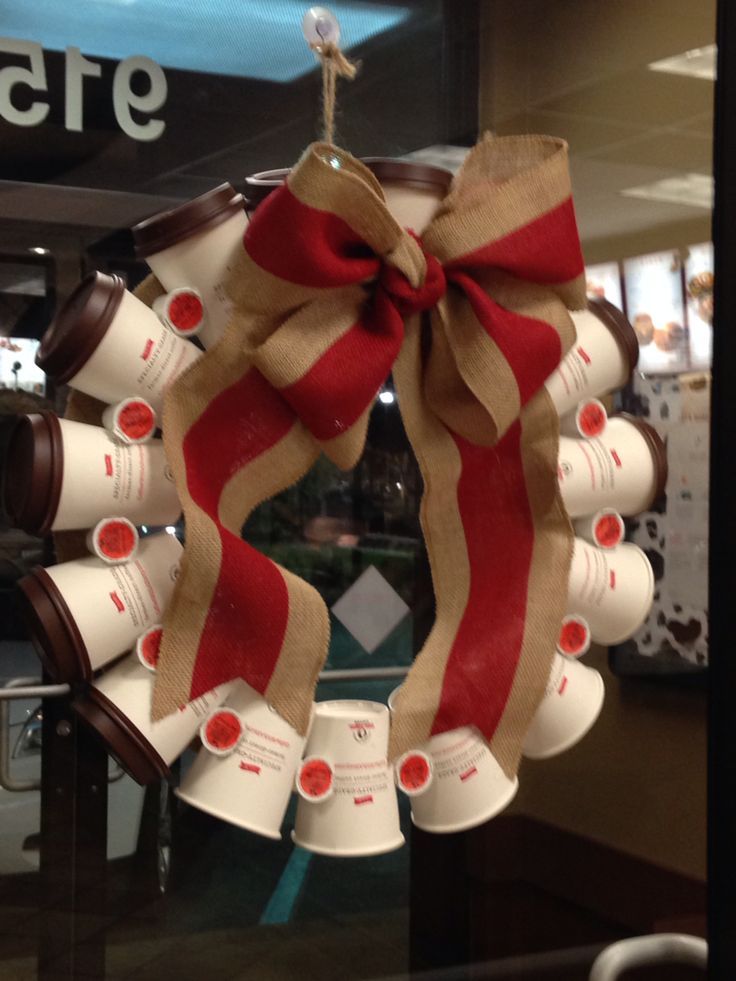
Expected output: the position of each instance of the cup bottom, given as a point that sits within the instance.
(215, 812)
(391, 846)
(473, 822)
(579, 734)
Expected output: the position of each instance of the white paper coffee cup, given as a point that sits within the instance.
(118, 706)
(182, 311)
(196, 247)
(65, 475)
(108, 344)
(571, 704)
(601, 360)
(244, 774)
(84, 613)
(613, 590)
(624, 469)
(114, 540)
(468, 786)
(361, 815)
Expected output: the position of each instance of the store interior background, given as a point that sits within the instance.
(607, 839)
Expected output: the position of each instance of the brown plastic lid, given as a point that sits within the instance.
(619, 326)
(52, 628)
(257, 187)
(658, 450)
(34, 464)
(171, 227)
(79, 326)
(408, 172)
(124, 741)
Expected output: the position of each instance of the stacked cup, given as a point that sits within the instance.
(347, 797)
(453, 780)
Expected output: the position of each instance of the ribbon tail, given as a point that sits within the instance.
(233, 442)
(500, 544)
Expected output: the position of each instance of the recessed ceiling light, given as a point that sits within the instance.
(695, 190)
(39, 250)
(696, 63)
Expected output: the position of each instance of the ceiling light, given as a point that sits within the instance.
(39, 250)
(694, 190)
(695, 63)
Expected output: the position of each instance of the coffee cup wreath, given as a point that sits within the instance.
(470, 292)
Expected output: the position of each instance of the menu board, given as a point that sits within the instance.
(699, 288)
(655, 307)
(603, 282)
(18, 365)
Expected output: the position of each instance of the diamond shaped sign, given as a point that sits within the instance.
(370, 609)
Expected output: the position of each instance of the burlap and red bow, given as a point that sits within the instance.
(330, 295)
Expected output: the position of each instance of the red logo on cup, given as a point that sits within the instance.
(612, 579)
(563, 685)
(414, 772)
(185, 312)
(108, 465)
(150, 646)
(147, 349)
(117, 601)
(222, 731)
(608, 530)
(363, 800)
(584, 355)
(574, 638)
(136, 420)
(250, 767)
(616, 458)
(315, 778)
(468, 773)
(116, 539)
(592, 419)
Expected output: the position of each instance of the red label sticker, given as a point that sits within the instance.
(608, 531)
(362, 725)
(108, 465)
(117, 601)
(116, 539)
(616, 458)
(414, 772)
(223, 731)
(363, 800)
(147, 349)
(592, 419)
(469, 773)
(151, 646)
(573, 637)
(563, 685)
(185, 312)
(584, 355)
(136, 420)
(250, 767)
(315, 778)
(612, 578)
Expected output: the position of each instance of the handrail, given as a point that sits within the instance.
(658, 948)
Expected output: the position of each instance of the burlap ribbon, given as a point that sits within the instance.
(330, 295)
